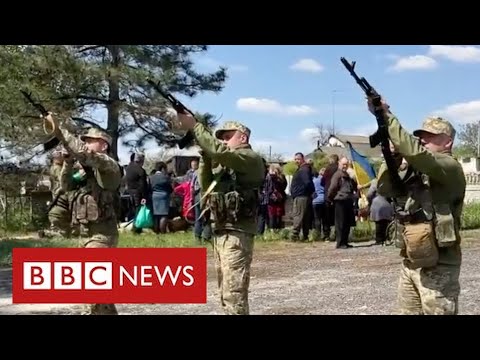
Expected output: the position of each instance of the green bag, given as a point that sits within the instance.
(144, 218)
(77, 177)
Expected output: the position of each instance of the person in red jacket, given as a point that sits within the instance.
(185, 191)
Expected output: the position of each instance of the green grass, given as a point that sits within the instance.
(8, 244)
(364, 231)
(471, 216)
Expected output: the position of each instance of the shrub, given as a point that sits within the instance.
(471, 216)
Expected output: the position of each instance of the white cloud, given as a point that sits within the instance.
(270, 106)
(309, 134)
(213, 64)
(308, 65)
(461, 112)
(457, 53)
(304, 142)
(414, 62)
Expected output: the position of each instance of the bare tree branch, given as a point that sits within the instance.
(323, 134)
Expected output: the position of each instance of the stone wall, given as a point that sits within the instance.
(472, 193)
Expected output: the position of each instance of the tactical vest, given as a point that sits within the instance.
(230, 202)
(91, 203)
(426, 225)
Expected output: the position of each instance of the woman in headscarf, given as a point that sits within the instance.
(381, 211)
(162, 189)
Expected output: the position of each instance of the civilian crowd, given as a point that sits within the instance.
(159, 191)
(325, 199)
(322, 200)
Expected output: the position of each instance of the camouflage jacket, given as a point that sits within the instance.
(245, 165)
(446, 182)
(106, 174)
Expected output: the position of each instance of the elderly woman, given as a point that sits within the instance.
(381, 211)
(162, 189)
(277, 183)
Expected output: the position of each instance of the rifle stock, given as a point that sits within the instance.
(381, 136)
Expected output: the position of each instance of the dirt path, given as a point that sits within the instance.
(301, 279)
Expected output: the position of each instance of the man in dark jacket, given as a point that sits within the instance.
(325, 183)
(341, 192)
(301, 190)
(136, 181)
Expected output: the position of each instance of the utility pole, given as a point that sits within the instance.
(334, 92)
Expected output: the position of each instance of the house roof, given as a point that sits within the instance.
(354, 139)
(359, 143)
(363, 149)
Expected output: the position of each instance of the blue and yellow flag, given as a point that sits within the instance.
(364, 171)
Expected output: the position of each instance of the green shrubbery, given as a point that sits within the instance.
(364, 231)
(471, 216)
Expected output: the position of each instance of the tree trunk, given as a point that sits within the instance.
(113, 106)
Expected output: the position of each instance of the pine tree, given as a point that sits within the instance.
(74, 81)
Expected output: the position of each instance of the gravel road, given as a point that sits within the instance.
(312, 278)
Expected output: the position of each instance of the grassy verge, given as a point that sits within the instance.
(471, 216)
(364, 231)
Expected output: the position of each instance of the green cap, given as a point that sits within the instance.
(94, 133)
(436, 125)
(232, 125)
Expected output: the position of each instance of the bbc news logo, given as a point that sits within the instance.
(122, 275)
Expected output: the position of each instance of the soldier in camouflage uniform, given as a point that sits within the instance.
(430, 221)
(92, 203)
(59, 214)
(230, 192)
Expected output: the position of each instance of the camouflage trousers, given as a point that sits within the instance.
(59, 222)
(432, 291)
(233, 253)
(100, 236)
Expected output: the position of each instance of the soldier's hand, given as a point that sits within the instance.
(383, 106)
(392, 147)
(68, 158)
(185, 121)
(179, 121)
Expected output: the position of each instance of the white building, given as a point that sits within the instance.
(470, 165)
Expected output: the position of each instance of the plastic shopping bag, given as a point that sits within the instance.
(144, 218)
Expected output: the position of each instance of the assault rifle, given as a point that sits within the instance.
(188, 138)
(50, 144)
(380, 137)
(53, 142)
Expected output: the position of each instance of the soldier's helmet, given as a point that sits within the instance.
(94, 133)
(436, 125)
(232, 125)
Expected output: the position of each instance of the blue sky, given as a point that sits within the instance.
(284, 92)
